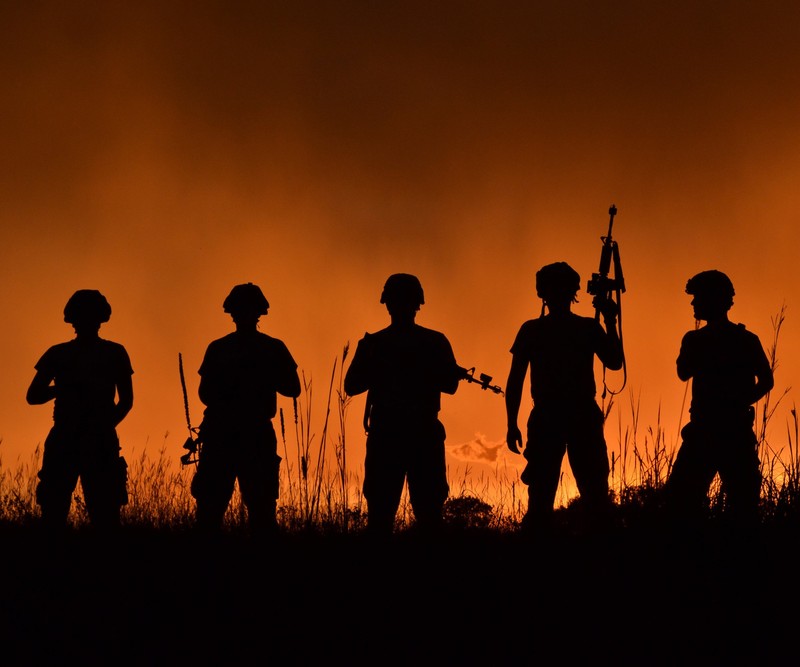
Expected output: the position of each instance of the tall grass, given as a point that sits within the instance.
(320, 488)
(18, 490)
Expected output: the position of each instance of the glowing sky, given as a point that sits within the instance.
(164, 151)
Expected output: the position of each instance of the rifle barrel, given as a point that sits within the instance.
(611, 212)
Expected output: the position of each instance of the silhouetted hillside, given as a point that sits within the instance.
(471, 598)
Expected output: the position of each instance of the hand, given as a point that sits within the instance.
(607, 307)
(514, 439)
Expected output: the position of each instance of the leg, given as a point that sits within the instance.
(686, 490)
(213, 484)
(384, 477)
(258, 471)
(740, 473)
(588, 458)
(544, 452)
(58, 478)
(427, 477)
(104, 477)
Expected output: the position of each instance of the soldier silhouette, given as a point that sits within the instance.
(240, 377)
(730, 372)
(559, 348)
(89, 379)
(404, 369)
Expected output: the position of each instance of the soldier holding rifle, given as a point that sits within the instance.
(559, 348)
(240, 377)
(404, 369)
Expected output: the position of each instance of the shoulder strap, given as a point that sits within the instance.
(367, 411)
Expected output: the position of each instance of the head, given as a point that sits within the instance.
(558, 283)
(87, 309)
(246, 302)
(713, 294)
(402, 293)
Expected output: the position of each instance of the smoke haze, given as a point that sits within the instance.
(163, 152)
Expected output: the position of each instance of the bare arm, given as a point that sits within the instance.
(41, 390)
(513, 398)
(356, 380)
(204, 392)
(764, 384)
(451, 371)
(685, 363)
(610, 352)
(290, 385)
(765, 379)
(124, 399)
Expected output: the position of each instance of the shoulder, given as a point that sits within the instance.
(691, 336)
(744, 332)
(530, 327)
(376, 335)
(528, 331)
(433, 338)
(114, 347)
(218, 349)
(430, 333)
(584, 321)
(589, 324)
(59, 349)
(116, 354)
(272, 343)
(54, 353)
(750, 340)
(383, 336)
(731, 330)
(222, 340)
(557, 325)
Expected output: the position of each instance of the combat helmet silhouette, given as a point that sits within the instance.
(558, 278)
(246, 297)
(403, 287)
(712, 284)
(87, 305)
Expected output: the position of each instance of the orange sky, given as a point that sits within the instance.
(163, 154)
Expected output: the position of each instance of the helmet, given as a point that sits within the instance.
(87, 305)
(246, 297)
(711, 284)
(557, 278)
(402, 287)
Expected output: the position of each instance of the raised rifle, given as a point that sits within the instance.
(602, 285)
(193, 443)
(483, 380)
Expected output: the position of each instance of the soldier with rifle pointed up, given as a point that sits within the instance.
(559, 348)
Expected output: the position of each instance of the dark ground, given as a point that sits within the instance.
(472, 598)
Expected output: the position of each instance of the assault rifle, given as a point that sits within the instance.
(603, 286)
(193, 443)
(483, 380)
(467, 374)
